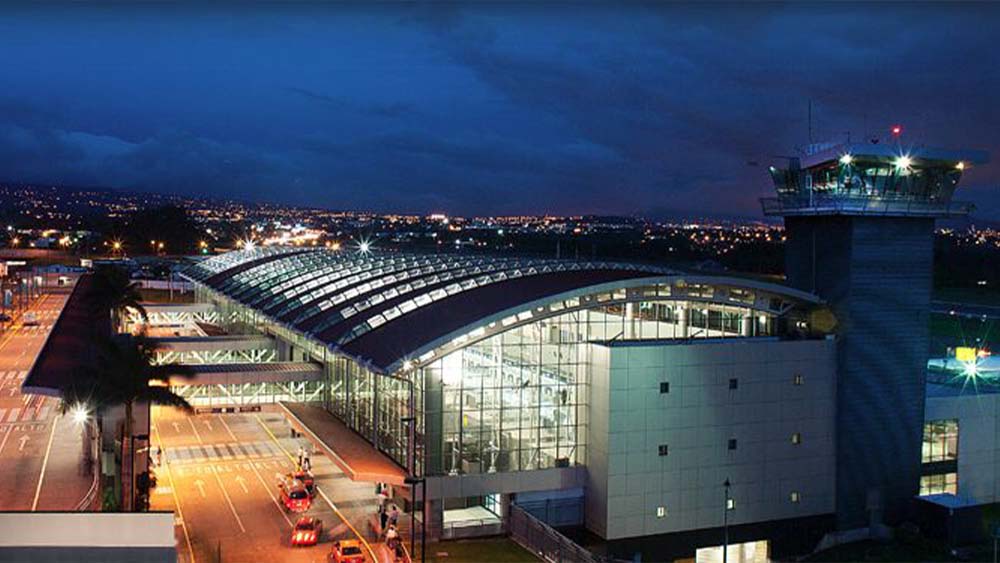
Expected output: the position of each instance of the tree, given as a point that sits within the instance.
(125, 375)
(115, 291)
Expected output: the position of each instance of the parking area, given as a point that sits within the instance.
(220, 474)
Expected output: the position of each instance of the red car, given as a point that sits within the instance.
(307, 480)
(294, 496)
(346, 551)
(307, 531)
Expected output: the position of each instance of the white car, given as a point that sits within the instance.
(29, 319)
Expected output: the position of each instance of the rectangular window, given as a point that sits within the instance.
(940, 440)
(730, 504)
(796, 438)
(664, 449)
(661, 512)
(664, 387)
(797, 379)
(734, 383)
(732, 443)
(940, 483)
(794, 497)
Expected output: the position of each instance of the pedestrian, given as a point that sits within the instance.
(382, 517)
(390, 537)
(381, 498)
(159, 456)
(393, 515)
(302, 454)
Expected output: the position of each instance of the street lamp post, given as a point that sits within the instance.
(725, 525)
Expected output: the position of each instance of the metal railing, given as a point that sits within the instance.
(847, 205)
(546, 542)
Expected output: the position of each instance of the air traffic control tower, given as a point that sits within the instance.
(859, 222)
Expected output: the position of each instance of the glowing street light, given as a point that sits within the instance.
(79, 413)
(846, 159)
(903, 162)
(960, 165)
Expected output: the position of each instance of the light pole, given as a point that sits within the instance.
(725, 525)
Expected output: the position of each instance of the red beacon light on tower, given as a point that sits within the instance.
(896, 130)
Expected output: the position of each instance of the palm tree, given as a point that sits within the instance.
(125, 375)
(116, 292)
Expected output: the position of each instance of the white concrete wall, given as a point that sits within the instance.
(978, 441)
(629, 419)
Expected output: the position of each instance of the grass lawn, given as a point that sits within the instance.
(973, 296)
(490, 550)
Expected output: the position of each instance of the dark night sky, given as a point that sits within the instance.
(502, 108)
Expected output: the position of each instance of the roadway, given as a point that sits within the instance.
(40, 451)
(219, 475)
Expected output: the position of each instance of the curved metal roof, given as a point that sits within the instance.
(382, 307)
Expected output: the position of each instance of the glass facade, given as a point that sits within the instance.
(510, 395)
(940, 440)
(940, 483)
(865, 177)
(201, 396)
(517, 400)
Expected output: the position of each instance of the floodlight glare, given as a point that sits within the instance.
(846, 160)
(79, 413)
(903, 162)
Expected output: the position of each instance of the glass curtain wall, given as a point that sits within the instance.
(516, 400)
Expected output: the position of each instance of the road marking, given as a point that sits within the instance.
(320, 491)
(196, 434)
(24, 440)
(201, 487)
(242, 482)
(5, 436)
(13, 414)
(177, 501)
(271, 494)
(228, 429)
(228, 500)
(177, 426)
(208, 423)
(45, 462)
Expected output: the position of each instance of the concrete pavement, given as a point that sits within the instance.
(40, 451)
(219, 475)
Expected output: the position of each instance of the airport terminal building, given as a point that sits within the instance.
(644, 403)
(629, 394)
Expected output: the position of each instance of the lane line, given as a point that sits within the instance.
(228, 500)
(45, 462)
(10, 430)
(274, 499)
(228, 429)
(364, 541)
(196, 434)
(177, 500)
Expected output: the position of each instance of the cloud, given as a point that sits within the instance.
(480, 108)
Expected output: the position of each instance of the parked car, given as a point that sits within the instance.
(307, 531)
(346, 551)
(294, 495)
